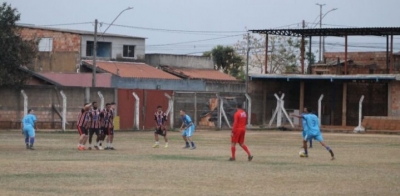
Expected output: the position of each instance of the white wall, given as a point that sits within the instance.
(117, 46)
(183, 61)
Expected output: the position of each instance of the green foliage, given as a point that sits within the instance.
(226, 59)
(14, 51)
(283, 53)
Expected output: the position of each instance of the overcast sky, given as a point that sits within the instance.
(213, 15)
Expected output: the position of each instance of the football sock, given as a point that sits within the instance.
(310, 143)
(327, 148)
(330, 151)
(187, 143)
(26, 140)
(31, 140)
(305, 151)
(233, 150)
(246, 149)
(193, 144)
(111, 145)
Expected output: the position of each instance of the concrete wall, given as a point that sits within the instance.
(162, 84)
(41, 99)
(117, 44)
(182, 61)
(178, 85)
(65, 54)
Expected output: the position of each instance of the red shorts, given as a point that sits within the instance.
(238, 137)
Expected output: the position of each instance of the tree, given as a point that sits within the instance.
(226, 59)
(283, 53)
(14, 51)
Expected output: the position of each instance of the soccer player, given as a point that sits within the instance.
(305, 127)
(238, 132)
(83, 125)
(187, 129)
(109, 126)
(29, 126)
(94, 114)
(313, 132)
(160, 117)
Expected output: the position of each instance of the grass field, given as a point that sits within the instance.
(364, 165)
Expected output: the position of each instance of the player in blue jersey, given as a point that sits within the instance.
(304, 124)
(187, 129)
(313, 132)
(28, 128)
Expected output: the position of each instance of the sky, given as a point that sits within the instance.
(204, 24)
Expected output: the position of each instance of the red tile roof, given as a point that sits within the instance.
(206, 74)
(79, 79)
(131, 69)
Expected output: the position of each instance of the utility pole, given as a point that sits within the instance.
(94, 54)
(320, 26)
(247, 62)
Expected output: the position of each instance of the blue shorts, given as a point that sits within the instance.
(317, 137)
(29, 132)
(188, 132)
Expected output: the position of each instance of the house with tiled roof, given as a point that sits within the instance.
(62, 50)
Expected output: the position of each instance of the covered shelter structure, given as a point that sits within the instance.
(389, 32)
(341, 92)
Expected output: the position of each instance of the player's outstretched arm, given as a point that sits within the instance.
(297, 116)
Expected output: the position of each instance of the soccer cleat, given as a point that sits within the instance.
(100, 148)
(31, 148)
(156, 145)
(303, 155)
(166, 146)
(185, 147)
(232, 159)
(112, 148)
(194, 147)
(27, 146)
(107, 148)
(250, 158)
(96, 147)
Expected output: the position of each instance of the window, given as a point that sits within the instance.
(45, 45)
(129, 51)
(103, 49)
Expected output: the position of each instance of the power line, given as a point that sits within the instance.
(173, 30)
(177, 43)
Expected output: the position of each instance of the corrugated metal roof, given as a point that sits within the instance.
(325, 77)
(206, 74)
(80, 32)
(130, 69)
(79, 79)
(354, 31)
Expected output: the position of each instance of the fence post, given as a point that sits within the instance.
(360, 128)
(101, 100)
(248, 110)
(195, 109)
(64, 110)
(170, 110)
(136, 119)
(319, 108)
(25, 102)
(219, 111)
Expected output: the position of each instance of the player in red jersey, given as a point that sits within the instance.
(83, 125)
(94, 114)
(109, 126)
(238, 132)
(160, 117)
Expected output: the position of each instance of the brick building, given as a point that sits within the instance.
(358, 63)
(61, 50)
